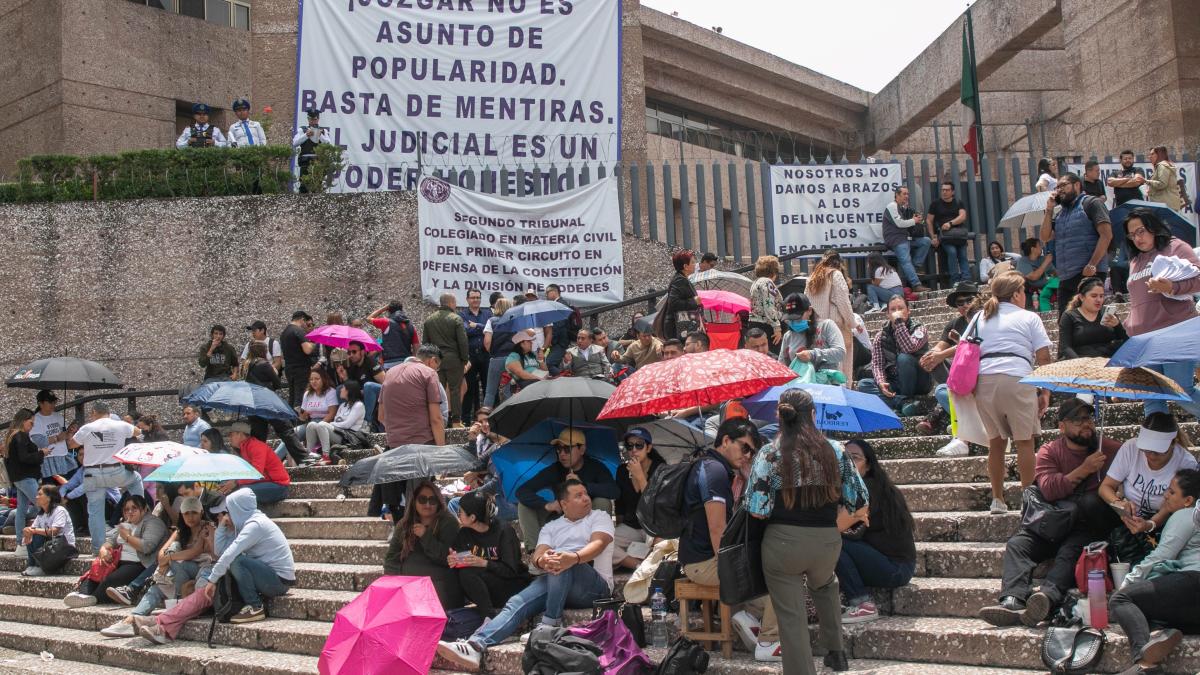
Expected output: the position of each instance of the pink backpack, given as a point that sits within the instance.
(964, 370)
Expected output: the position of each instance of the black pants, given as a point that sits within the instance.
(1170, 599)
(1120, 278)
(79, 514)
(126, 572)
(285, 432)
(1068, 287)
(297, 381)
(387, 494)
(476, 384)
(489, 591)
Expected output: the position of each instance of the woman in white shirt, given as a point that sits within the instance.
(349, 417)
(1047, 175)
(885, 282)
(995, 256)
(319, 404)
(52, 520)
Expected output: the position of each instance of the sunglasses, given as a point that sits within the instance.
(567, 448)
(636, 446)
(963, 302)
(427, 500)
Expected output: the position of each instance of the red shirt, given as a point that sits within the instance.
(261, 457)
(1055, 460)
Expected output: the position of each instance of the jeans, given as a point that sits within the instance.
(880, 295)
(96, 481)
(942, 394)
(256, 579)
(912, 379)
(1169, 599)
(1184, 374)
(577, 588)
(909, 254)
(267, 492)
(495, 369)
(370, 392)
(26, 489)
(861, 565)
(35, 544)
(142, 578)
(956, 259)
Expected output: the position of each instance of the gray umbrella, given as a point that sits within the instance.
(675, 440)
(411, 461)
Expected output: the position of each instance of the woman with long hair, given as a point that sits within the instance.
(1047, 174)
(351, 417)
(807, 489)
(422, 540)
(51, 521)
(880, 552)
(138, 536)
(681, 310)
(486, 556)
(995, 256)
(1014, 343)
(152, 429)
(1158, 303)
(23, 461)
(766, 303)
(1085, 329)
(1162, 185)
(829, 292)
(257, 369)
(885, 281)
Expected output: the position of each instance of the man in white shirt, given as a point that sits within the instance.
(50, 434)
(575, 552)
(245, 132)
(201, 134)
(306, 140)
(258, 333)
(101, 439)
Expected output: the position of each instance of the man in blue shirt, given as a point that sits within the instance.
(474, 319)
(1082, 230)
(196, 426)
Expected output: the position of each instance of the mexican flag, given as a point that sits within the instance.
(969, 92)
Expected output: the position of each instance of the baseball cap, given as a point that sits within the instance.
(1155, 441)
(570, 436)
(240, 427)
(191, 505)
(522, 336)
(794, 306)
(639, 432)
(219, 507)
(1072, 408)
(258, 325)
(531, 291)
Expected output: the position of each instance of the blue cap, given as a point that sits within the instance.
(200, 108)
(639, 432)
(241, 103)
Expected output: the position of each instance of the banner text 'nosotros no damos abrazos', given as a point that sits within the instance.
(460, 84)
(831, 206)
(493, 243)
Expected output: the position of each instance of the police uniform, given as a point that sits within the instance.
(244, 134)
(200, 132)
(308, 145)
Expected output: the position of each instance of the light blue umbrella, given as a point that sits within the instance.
(838, 408)
(533, 314)
(1180, 226)
(209, 467)
(524, 456)
(1172, 344)
(241, 398)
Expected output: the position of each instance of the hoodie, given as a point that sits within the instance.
(255, 535)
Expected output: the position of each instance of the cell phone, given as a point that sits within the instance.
(1109, 310)
(1119, 507)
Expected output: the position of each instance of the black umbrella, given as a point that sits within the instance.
(646, 323)
(574, 399)
(64, 372)
(675, 440)
(411, 461)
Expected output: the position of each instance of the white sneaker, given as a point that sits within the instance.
(77, 600)
(20, 551)
(954, 448)
(771, 652)
(461, 653)
(998, 507)
(33, 571)
(747, 629)
(119, 629)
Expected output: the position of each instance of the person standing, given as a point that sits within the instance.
(766, 302)
(1163, 185)
(217, 357)
(829, 293)
(258, 333)
(101, 439)
(808, 491)
(474, 318)
(400, 340)
(1047, 175)
(682, 301)
(245, 132)
(200, 134)
(411, 412)
(1092, 185)
(23, 464)
(560, 335)
(444, 329)
(946, 224)
(306, 140)
(50, 434)
(297, 355)
(1082, 230)
(902, 234)
(1127, 185)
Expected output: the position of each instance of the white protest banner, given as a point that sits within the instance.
(1187, 178)
(831, 206)
(507, 244)
(405, 84)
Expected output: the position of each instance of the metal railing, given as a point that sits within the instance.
(131, 397)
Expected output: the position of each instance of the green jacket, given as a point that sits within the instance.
(445, 329)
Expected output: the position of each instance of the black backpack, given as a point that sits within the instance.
(553, 651)
(660, 509)
(686, 657)
(227, 602)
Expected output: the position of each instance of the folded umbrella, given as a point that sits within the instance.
(212, 467)
(64, 372)
(340, 336)
(391, 628)
(720, 280)
(156, 453)
(533, 314)
(675, 440)
(574, 399)
(723, 301)
(838, 408)
(524, 456)
(411, 461)
(1172, 344)
(241, 398)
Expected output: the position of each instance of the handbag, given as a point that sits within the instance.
(54, 554)
(1072, 650)
(1051, 521)
(1093, 557)
(964, 369)
(739, 562)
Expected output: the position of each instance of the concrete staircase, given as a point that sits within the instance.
(930, 626)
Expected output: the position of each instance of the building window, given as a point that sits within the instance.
(192, 8)
(217, 11)
(235, 13)
(241, 16)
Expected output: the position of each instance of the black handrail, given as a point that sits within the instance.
(130, 395)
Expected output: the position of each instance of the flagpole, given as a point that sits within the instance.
(978, 97)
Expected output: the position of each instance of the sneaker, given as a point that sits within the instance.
(1007, 613)
(910, 409)
(933, 423)
(120, 629)
(998, 507)
(77, 600)
(920, 288)
(461, 653)
(139, 621)
(20, 551)
(154, 634)
(772, 652)
(122, 595)
(33, 571)
(955, 448)
(864, 612)
(1161, 644)
(1037, 609)
(747, 629)
(248, 614)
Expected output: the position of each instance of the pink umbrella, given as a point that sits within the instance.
(723, 301)
(155, 453)
(392, 627)
(340, 336)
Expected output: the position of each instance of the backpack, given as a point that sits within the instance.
(553, 651)
(661, 508)
(685, 657)
(227, 602)
(461, 623)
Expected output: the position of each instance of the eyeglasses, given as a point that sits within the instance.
(1081, 419)
(1141, 231)
(636, 446)
(427, 500)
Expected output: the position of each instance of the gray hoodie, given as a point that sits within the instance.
(828, 351)
(254, 535)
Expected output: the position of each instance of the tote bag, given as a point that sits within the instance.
(964, 370)
(739, 562)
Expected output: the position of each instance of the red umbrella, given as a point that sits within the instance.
(339, 336)
(695, 379)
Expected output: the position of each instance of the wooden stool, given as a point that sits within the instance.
(707, 595)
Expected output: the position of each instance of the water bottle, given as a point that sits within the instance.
(384, 511)
(1097, 601)
(658, 619)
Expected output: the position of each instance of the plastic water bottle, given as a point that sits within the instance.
(1097, 601)
(658, 619)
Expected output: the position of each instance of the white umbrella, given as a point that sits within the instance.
(1026, 213)
(155, 453)
(720, 280)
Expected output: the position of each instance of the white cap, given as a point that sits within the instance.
(1155, 441)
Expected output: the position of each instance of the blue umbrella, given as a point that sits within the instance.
(1180, 227)
(838, 408)
(1172, 344)
(212, 467)
(533, 314)
(241, 398)
(524, 456)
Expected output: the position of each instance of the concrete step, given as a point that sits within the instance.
(320, 551)
(959, 559)
(965, 527)
(325, 489)
(926, 446)
(957, 496)
(14, 661)
(318, 508)
(358, 528)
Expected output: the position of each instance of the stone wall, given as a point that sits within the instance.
(136, 285)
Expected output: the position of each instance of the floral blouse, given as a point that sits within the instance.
(765, 482)
(766, 303)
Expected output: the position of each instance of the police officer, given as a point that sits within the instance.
(200, 134)
(245, 131)
(307, 139)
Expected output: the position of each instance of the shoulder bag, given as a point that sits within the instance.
(1051, 521)
(739, 562)
(1072, 650)
(54, 554)
(964, 369)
